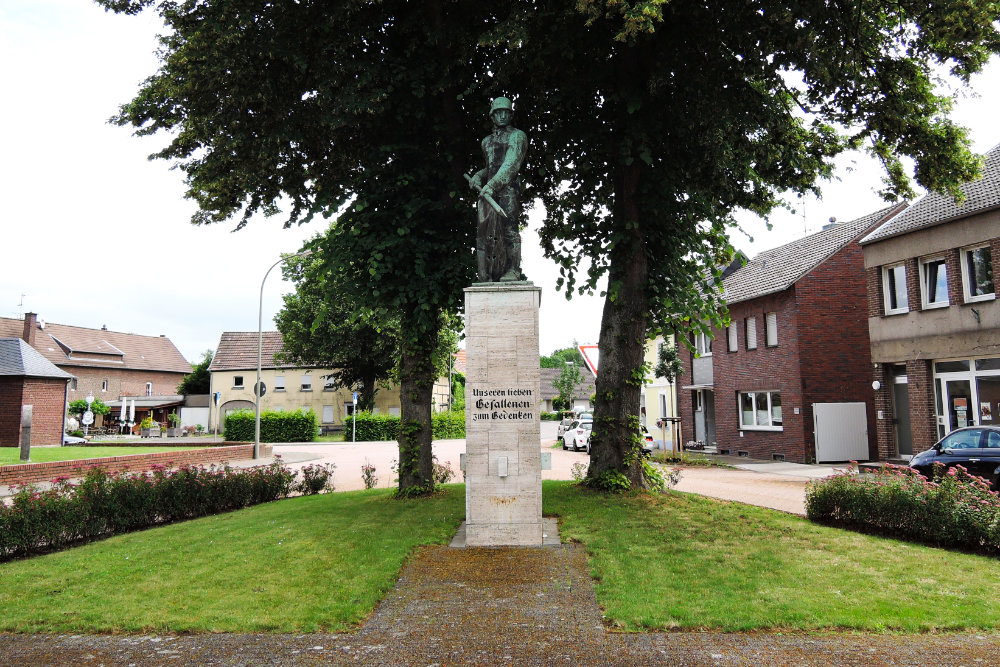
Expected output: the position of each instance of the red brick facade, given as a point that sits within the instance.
(29, 473)
(47, 398)
(822, 355)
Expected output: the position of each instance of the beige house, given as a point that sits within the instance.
(287, 387)
(659, 397)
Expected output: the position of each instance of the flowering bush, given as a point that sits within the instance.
(104, 504)
(952, 509)
(316, 479)
(442, 472)
(368, 475)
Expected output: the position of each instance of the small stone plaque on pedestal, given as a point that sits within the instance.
(503, 470)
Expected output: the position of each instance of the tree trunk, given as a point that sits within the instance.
(366, 397)
(616, 444)
(416, 384)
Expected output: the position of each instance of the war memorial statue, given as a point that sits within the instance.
(498, 235)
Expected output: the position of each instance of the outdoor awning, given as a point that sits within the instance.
(148, 402)
(699, 386)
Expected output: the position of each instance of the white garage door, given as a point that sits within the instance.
(841, 432)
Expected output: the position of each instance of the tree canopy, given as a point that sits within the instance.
(199, 380)
(653, 122)
(560, 357)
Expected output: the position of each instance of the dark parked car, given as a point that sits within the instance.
(976, 448)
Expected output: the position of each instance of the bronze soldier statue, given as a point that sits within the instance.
(498, 235)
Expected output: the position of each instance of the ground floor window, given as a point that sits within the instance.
(760, 410)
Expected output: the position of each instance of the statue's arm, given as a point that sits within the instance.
(512, 162)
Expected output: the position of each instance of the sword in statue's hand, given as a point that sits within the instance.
(489, 200)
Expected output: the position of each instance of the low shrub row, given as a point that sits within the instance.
(297, 426)
(551, 416)
(104, 504)
(372, 427)
(953, 509)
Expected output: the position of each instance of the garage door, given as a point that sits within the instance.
(841, 432)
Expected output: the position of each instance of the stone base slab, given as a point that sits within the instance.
(549, 537)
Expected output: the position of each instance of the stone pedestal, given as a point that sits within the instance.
(503, 472)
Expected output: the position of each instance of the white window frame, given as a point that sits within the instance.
(770, 329)
(925, 286)
(902, 300)
(307, 382)
(703, 344)
(238, 382)
(149, 389)
(734, 343)
(328, 383)
(699, 401)
(755, 410)
(279, 383)
(750, 332)
(104, 385)
(967, 279)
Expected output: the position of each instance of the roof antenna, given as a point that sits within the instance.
(20, 308)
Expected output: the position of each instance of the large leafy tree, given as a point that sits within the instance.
(321, 325)
(654, 121)
(199, 380)
(318, 107)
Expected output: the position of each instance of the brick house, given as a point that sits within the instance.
(233, 374)
(790, 378)
(28, 378)
(109, 364)
(933, 316)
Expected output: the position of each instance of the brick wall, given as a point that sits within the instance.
(685, 396)
(923, 422)
(121, 382)
(873, 278)
(835, 348)
(885, 430)
(47, 398)
(28, 473)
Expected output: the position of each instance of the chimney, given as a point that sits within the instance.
(30, 322)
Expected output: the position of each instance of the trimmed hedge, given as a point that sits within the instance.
(953, 509)
(105, 504)
(297, 426)
(550, 417)
(373, 428)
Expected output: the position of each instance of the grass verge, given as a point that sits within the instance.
(307, 564)
(12, 455)
(684, 561)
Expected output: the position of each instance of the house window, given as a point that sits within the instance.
(934, 283)
(328, 383)
(394, 410)
(699, 402)
(750, 332)
(149, 389)
(104, 385)
(327, 414)
(731, 334)
(348, 409)
(894, 287)
(237, 382)
(279, 383)
(760, 410)
(977, 273)
(771, 329)
(703, 345)
(307, 382)
(72, 384)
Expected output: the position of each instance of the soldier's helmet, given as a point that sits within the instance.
(500, 103)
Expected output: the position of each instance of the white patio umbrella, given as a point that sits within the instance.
(121, 417)
(131, 411)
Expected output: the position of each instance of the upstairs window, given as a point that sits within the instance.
(703, 345)
(750, 332)
(149, 389)
(104, 385)
(731, 334)
(977, 273)
(279, 383)
(771, 329)
(934, 283)
(237, 382)
(894, 288)
(307, 382)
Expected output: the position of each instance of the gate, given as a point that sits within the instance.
(841, 431)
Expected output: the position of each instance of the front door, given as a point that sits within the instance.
(901, 409)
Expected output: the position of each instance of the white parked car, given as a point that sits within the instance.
(577, 435)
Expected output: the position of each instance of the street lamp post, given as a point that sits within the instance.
(258, 388)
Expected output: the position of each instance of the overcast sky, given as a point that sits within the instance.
(95, 234)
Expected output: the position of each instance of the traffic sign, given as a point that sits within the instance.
(263, 389)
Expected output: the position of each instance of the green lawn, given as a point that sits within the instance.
(307, 564)
(12, 455)
(323, 562)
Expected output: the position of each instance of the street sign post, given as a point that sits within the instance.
(354, 417)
